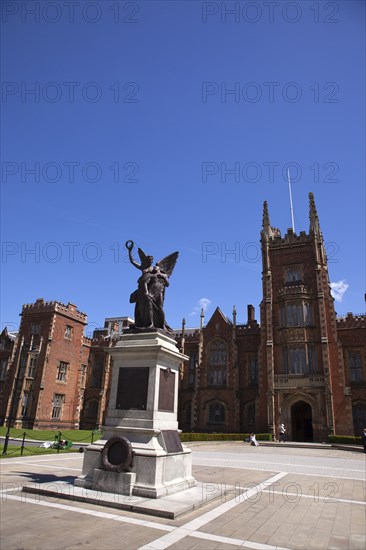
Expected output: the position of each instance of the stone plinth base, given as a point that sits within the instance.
(155, 472)
(163, 475)
(121, 483)
(142, 409)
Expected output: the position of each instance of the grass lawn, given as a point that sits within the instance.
(79, 436)
(13, 451)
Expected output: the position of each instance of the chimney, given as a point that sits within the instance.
(251, 313)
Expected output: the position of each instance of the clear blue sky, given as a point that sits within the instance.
(129, 130)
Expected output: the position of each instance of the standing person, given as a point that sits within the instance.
(363, 437)
(282, 433)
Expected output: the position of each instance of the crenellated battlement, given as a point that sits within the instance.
(290, 238)
(87, 341)
(70, 310)
(189, 334)
(351, 320)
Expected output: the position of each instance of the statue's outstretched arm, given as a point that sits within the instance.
(129, 245)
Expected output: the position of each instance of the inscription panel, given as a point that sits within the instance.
(132, 388)
(172, 442)
(166, 390)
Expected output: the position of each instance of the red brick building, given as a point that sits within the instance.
(301, 366)
(8, 344)
(351, 331)
(45, 380)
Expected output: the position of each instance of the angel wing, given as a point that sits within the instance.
(143, 258)
(167, 264)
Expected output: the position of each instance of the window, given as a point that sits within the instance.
(293, 274)
(23, 363)
(299, 359)
(2, 345)
(32, 366)
(35, 328)
(25, 404)
(68, 332)
(62, 371)
(296, 360)
(217, 358)
(216, 413)
(83, 375)
(312, 359)
(253, 369)
(3, 365)
(355, 366)
(308, 314)
(57, 402)
(192, 368)
(296, 314)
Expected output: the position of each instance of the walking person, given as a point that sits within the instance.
(282, 433)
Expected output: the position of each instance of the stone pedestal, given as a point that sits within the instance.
(143, 409)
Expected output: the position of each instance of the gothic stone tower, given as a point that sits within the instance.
(301, 365)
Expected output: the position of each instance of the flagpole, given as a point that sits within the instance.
(291, 208)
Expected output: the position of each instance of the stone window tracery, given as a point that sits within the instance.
(216, 413)
(217, 363)
(296, 314)
(299, 359)
(355, 365)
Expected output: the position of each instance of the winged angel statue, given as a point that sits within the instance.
(149, 296)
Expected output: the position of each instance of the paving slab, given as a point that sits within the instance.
(170, 506)
(317, 503)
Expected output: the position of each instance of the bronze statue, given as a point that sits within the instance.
(149, 296)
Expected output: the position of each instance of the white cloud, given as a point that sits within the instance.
(203, 303)
(338, 289)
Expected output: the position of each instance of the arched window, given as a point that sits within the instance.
(216, 413)
(217, 363)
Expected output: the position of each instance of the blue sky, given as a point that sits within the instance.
(169, 123)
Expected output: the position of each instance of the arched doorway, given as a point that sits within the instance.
(302, 422)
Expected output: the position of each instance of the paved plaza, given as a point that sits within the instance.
(268, 497)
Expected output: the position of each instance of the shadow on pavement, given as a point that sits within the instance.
(46, 478)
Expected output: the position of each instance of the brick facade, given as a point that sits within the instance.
(45, 377)
(310, 366)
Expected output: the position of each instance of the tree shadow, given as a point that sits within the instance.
(46, 478)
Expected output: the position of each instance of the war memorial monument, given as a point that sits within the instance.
(140, 452)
